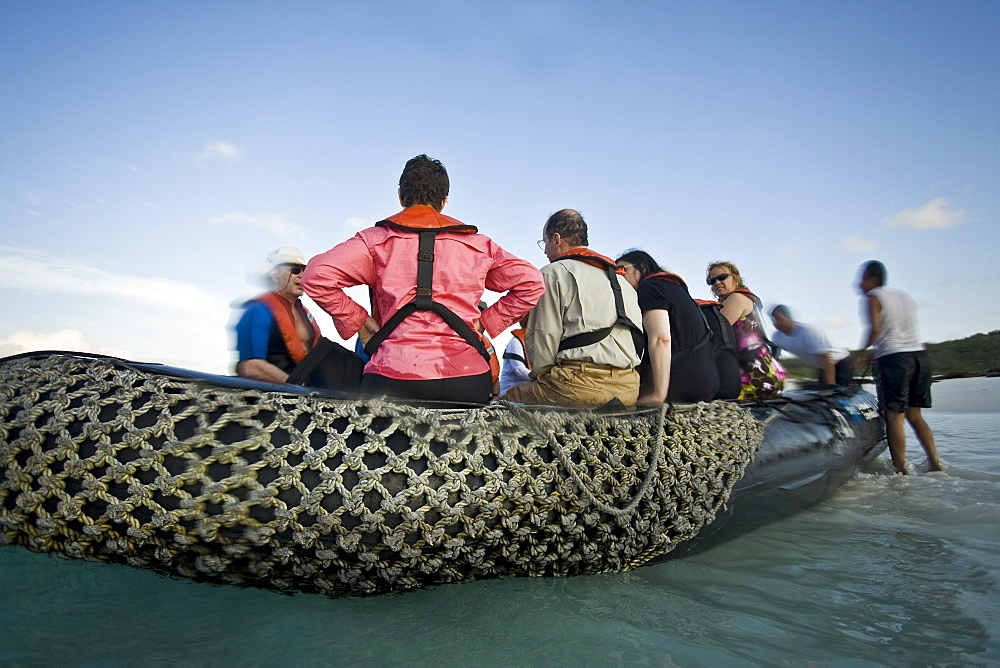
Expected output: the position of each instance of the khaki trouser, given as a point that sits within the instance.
(578, 384)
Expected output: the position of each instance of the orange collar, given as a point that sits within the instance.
(668, 277)
(281, 309)
(754, 298)
(584, 254)
(423, 217)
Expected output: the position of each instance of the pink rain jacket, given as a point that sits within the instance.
(466, 263)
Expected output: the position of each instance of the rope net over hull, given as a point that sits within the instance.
(99, 460)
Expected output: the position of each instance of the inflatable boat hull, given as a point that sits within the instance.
(230, 480)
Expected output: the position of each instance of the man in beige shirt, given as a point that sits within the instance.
(583, 337)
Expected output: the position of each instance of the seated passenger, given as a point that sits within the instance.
(427, 273)
(812, 346)
(276, 331)
(763, 377)
(583, 338)
(679, 364)
(516, 366)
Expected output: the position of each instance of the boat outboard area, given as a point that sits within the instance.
(232, 480)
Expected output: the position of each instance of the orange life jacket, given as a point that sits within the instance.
(668, 277)
(494, 362)
(584, 254)
(519, 335)
(284, 317)
(427, 222)
(754, 298)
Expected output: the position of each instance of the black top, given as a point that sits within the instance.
(687, 327)
(693, 374)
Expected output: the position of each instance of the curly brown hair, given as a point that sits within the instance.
(423, 181)
(729, 267)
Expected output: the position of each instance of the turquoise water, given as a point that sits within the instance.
(892, 571)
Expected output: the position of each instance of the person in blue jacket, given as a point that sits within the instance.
(276, 331)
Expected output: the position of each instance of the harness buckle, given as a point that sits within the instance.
(423, 292)
(425, 257)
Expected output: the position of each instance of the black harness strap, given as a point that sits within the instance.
(681, 354)
(424, 302)
(705, 340)
(622, 320)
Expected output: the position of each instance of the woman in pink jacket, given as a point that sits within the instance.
(426, 273)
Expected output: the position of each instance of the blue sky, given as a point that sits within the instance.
(154, 153)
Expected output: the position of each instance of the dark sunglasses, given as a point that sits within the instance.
(720, 277)
(295, 269)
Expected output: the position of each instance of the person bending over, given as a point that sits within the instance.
(811, 345)
(679, 364)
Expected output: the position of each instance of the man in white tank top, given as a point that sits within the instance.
(902, 367)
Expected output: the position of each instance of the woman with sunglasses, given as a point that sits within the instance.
(763, 377)
(275, 331)
(679, 364)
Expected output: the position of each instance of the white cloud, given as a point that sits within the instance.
(220, 149)
(855, 243)
(270, 223)
(26, 271)
(935, 215)
(25, 341)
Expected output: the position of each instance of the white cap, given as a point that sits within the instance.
(276, 258)
(285, 255)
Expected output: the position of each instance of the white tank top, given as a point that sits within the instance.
(899, 323)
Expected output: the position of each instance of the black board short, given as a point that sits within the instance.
(903, 380)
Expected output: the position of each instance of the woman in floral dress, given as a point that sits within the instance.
(763, 377)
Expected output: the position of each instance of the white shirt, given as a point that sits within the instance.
(578, 299)
(514, 371)
(809, 344)
(898, 331)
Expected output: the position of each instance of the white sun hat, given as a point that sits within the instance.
(285, 255)
(276, 258)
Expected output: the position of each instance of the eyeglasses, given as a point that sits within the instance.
(625, 266)
(541, 244)
(720, 277)
(295, 269)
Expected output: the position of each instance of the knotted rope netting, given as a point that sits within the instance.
(100, 460)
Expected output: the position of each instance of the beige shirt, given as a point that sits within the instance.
(578, 298)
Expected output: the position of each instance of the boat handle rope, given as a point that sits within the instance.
(654, 466)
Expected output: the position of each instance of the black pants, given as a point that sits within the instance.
(330, 366)
(461, 390)
(843, 372)
(903, 380)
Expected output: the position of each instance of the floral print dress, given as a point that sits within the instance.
(763, 376)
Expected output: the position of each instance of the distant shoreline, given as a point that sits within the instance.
(989, 373)
(976, 356)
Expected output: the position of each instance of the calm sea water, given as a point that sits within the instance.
(892, 571)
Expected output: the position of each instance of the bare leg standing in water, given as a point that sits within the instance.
(895, 432)
(924, 435)
(902, 367)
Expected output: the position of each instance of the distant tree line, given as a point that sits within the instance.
(977, 355)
